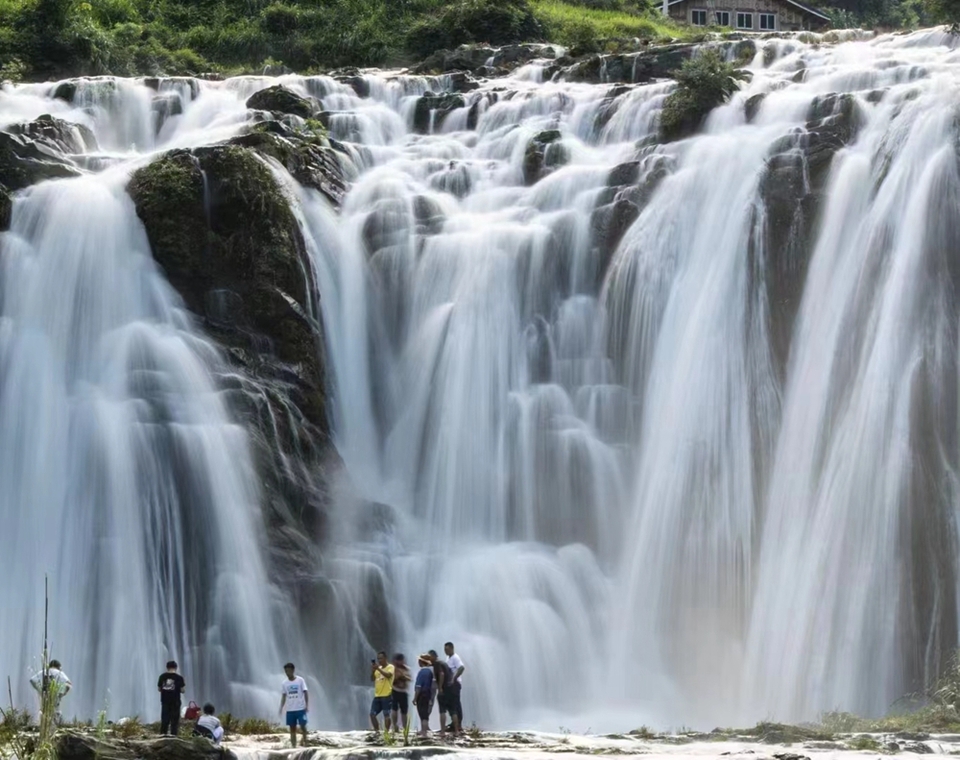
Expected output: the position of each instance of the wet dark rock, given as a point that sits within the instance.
(171, 84)
(624, 174)
(654, 63)
(752, 107)
(166, 106)
(224, 232)
(42, 149)
(545, 152)
(608, 225)
(440, 105)
(359, 85)
(280, 99)
(6, 208)
(464, 58)
(65, 136)
(65, 91)
(308, 156)
(75, 746)
(792, 190)
(387, 224)
(918, 748)
(428, 214)
(461, 81)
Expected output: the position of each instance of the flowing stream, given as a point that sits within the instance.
(705, 475)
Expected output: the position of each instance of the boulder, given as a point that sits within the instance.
(38, 151)
(439, 105)
(545, 152)
(60, 135)
(225, 234)
(279, 99)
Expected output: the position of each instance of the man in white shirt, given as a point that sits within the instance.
(296, 701)
(53, 685)
(453, 698)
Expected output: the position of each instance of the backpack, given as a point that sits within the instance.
(192, 712)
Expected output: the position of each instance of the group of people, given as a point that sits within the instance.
(437, 681)
(171, 686)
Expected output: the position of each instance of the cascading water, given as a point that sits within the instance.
(644, 482)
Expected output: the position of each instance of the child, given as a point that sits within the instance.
(210, 723)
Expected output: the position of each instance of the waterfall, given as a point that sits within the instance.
(657, 434)
(124, 478)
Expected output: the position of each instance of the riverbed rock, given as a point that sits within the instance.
(279, 100)
(224, 232)
(464, 58)
(636, 68)
(440, 106)
(545, 153)
(41, 149)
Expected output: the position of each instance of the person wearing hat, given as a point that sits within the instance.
(423, 692)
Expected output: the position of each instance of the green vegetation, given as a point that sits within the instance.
(42, 39)
(586, 28)
(703, 83)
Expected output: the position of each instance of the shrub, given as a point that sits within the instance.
(279, 19)
(497, 22)
(703, 83)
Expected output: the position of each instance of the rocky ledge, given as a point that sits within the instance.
(77, 746)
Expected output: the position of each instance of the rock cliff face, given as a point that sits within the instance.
(222, 228)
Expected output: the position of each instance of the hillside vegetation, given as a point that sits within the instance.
(41, 39)
(55, 38)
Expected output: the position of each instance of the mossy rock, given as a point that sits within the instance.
(280, 99)
(306, 154)
(241, 239)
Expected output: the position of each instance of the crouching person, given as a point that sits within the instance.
(208, 725)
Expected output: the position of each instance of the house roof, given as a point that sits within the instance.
(801, 6)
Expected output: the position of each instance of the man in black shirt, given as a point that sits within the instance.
(170, 685)
(443, 679)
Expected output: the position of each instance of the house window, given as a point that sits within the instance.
(699, 18)
(768, 22)
(723, 18)
(744, 21)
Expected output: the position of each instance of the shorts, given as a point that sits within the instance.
(443, 700)
(381, 705)
(296, 716)
(401, 701)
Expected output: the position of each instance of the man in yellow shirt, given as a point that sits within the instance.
(381, 673)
